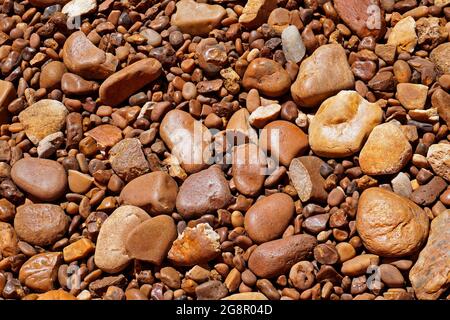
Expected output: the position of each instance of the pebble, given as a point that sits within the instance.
(72, 84)
(153, 38)
(212, 192)
(364, 17)
(304, 173)
(256, 12)
(43, 118)
(211, 290)
(110, 253)
(359, 265)
(195, 246)
(326, 253)
(438, 156)
(267, 76)
(342, 124)
(77, 250)
(128, 160)
(77, 8)
(440, 56)
(386, 151)
(7, 95)
(412, 96)
(40, 224)
(48, 146)
(316, 223)
(248, 168)
(106, 135)
(315, 82)
(121, 85)
(79, 182)
(293, 48)
(403, 35)
(8, 240)
(379, 214)
(269, 217)
(59, 294)
(40, 271)
(276, 257)
(188, 139)
(429, 275)
(336, 197)
(246, 296)
(51, 75)
(345, 251)
(239, 127)
(155, 192)
(284, 141)
(161, 230)
(427, 194)
(42, 178)
(264, 114)
(83, 58)
(441, 101)
(197, 18)
(402, 185)
(391, 276)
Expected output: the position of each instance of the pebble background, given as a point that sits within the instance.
(110, 112)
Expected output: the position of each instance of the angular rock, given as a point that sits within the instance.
(50, 144)
(203, 192)
(427, 194)
(276, 257)
(412, 96)
(195, 246)
(85, 59)
(429, 275)
(122, 84)
(304, 173)
(43, 118)
(127, 159)
(110, 252)
(322, 75)
(438, 157)
(267, 76)
(151, 240)
(364, 17)
(197, 18)
(342, 124)
(40, 224)
(390, 225)
(79, 249)
(106, 135)
(44, 179)
(403, 35)
(386, 151)
(256, 12)
(401, 185)
(155, 192)
(188, 139)
(269, 217)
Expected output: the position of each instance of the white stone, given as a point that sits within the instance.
(403, 35)
(293, 48)
(77, 8)
(438, 157)
(401, 185)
